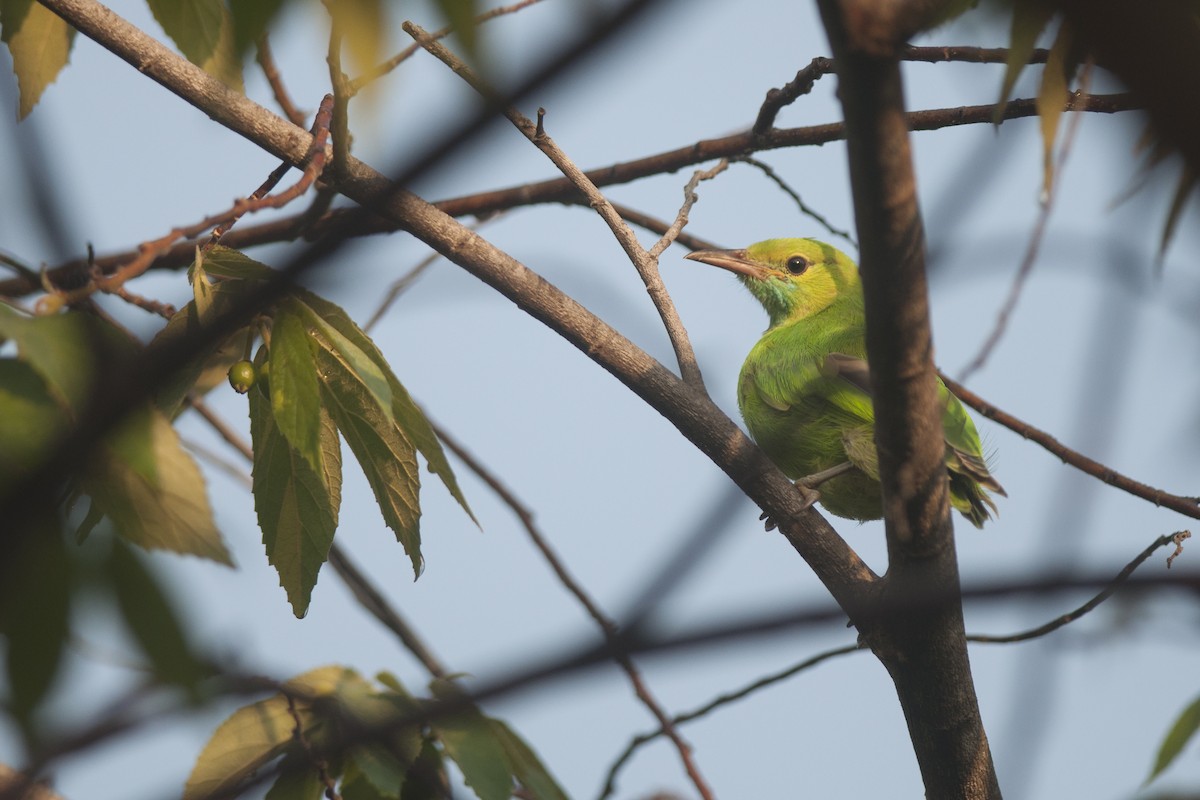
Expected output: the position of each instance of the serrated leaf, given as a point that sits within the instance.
(406, 412)
(35, 597)
(1030, 18)
(163, 506)
(295, 390)
(257, 734)
(152, 619)
(356, 786)
(469, 739)
(298, 780)
(297, 506)
(1184, 727)
(1052, 99)
(59, 347)
(386, 456)
(367, 369)
(40, 44)
(30, 420)
(526, 767)
(203, 32)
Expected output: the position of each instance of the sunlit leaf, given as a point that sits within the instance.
(1030, 18)
(1052, 100)
(386, 456)
(526, 767)
(153, 491)
(202, 290)
(297, 506)
(257, 734)
(1181, 733)
(224, 262)
(367, 368)
(469, 739)
(40, 44)
(406, 412)
(295, 393)
(151, 617)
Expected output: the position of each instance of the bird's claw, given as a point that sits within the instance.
(808, 496)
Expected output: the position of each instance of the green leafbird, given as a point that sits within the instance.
(805, 391)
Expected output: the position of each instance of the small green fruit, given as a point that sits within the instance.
(242, 376)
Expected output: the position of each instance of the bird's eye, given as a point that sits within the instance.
(797, 264)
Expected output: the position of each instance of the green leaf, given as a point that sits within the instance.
(1030, 18)
(406, 412)
(460, 15)
(30, 420)
(1181, 732)
(62, 348)
(40, 44)
(366, 368)
(469, 740)
(35, 599)
(526, 766)
(427, 778)
(152, 619)
(298, 780)
(356, 786)
(202, 291)
(257, 734)
(250, 20)
(386, 456)
(209, 369)
(224, 262)
(1052, 99)
(203, 32)
(152, 490)
(297, 506)
(295, 392)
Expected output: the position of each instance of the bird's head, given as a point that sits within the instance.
(792, 278)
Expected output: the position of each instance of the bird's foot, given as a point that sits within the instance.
(808, 496)
(817, 478)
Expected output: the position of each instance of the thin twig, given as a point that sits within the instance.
(1188, 506)
(149, 251)
(561, 190)
(271, 72)
(1176, 538)
(610, 781)
(770, 172)
(792, 91)
(340, 83)
(970, 55)
(1031, 250)
(314, 760)
(690, 198)
(359, 83)
(646, 265)
(607, 626)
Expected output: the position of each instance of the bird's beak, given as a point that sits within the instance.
(732, 260)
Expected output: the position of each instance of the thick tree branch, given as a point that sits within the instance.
(922, 645)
